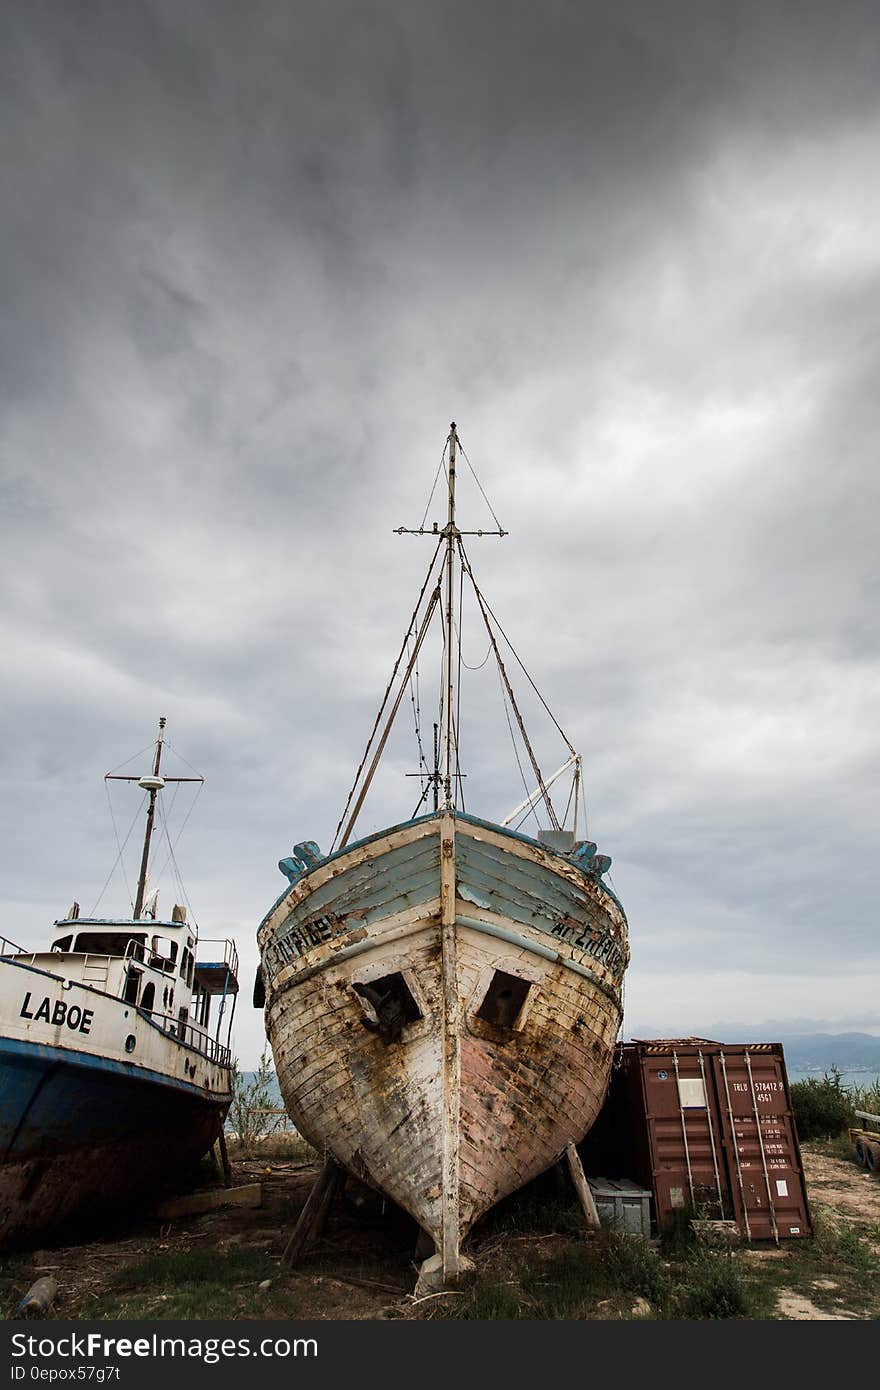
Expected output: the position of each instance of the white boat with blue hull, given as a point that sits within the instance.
(113, 1076)
(442, 998)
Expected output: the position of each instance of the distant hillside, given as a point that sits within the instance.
(805, 1052)
(822, 1051)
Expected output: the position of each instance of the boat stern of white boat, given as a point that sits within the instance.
(442, 998)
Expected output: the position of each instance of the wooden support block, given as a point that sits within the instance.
(193, 1203)
(582, 1187)
(314, 1213)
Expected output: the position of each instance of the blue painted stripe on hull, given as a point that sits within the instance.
(53, 1101)
(16, 1046)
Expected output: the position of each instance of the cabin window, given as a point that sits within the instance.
(132, 985)
(148, 998)
(164, 952)
(63, 944)
(393, 1004)
(503, 1000)
(107, 943)
(186, 965)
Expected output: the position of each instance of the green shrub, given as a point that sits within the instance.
(250, 1114)
(866, 1097)
(715, 1288)
(823, 1108)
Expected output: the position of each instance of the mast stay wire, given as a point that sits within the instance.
(478, 483)
(403, 649)
(530, 809)
(149, 749)
(459, 789)
(519, 719)
(482, 598)
(178, 878)
(415, 700)
(120, 847)
(440, 466)
(171, 857)
(420, 635)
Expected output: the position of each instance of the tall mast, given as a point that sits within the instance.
(451, 534)
(153, 785)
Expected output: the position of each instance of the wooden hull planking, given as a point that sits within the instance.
(465, 1108)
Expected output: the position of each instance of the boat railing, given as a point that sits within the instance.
(95, 968)
(226, 956)
(192, 1034)
(146, 956)
(9, 948)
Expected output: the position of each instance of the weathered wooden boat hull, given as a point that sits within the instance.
(481, 1092)
(78, 1129)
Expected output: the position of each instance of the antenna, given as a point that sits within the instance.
(152, 782)
(451, 535)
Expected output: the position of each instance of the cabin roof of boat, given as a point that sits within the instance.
(133, 923)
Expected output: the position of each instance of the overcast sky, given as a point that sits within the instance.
(255, 259)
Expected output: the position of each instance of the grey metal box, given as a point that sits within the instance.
(621, 1205)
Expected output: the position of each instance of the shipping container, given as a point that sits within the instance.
(708, 1128)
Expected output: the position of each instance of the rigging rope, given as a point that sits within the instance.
(530, 809)
(404, 648)
(479, 485)
(171, 855)
(519, 719)
(171, 847)
(459, 789)
(150, 748)
(120, 847)
(416, 707)
(434, 488)
(519, 662)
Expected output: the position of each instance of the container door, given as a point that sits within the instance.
(688, 1169)
(760, 1143)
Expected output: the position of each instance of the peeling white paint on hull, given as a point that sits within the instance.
(467, 1092)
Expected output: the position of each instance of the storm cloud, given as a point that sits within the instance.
(256, 258)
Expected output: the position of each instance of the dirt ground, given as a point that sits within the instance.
(849, 1193)
(364, 1264)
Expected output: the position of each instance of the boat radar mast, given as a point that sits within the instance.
(151, 782)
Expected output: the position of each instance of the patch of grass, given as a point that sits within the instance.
(838, 1147)
(841, 1246)
(677, 1238)
(488, 1302)
(189, 1284)
(716, 1286)
(281, 1145)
